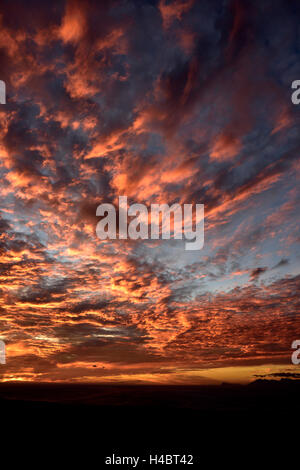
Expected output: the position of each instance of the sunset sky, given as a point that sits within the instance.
(162, 101)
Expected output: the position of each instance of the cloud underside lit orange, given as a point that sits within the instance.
(156, 101)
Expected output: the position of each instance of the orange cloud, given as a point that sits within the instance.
(226, 147)
(74, 23)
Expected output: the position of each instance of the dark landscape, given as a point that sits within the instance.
(85, 423)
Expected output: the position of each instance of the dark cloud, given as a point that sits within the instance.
(281, 263)
(257, 272)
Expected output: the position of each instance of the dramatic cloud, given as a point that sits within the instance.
(163, 101)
